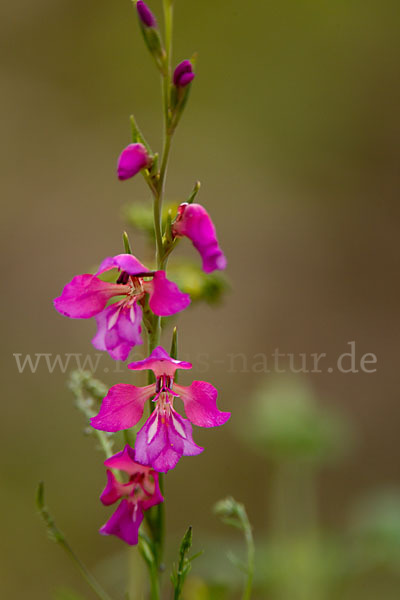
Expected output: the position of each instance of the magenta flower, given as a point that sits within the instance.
(140, 493)
(183, 74)
(145, 14)
(131, 160)
(194, 222)
(166, 436)
(119, 324)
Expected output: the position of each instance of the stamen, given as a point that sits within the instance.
(123, 278)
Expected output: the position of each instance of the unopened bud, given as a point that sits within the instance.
(145, 15)
(183, 74)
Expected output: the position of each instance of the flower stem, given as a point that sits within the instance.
(60, 539)
(157, 523)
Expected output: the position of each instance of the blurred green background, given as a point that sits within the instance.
(293, 128)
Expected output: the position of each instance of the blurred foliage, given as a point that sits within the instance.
(201, 286)
(286, 422)
(376, 530)
(234, 513)
(296, 557)
(66, 594)
(140, 216)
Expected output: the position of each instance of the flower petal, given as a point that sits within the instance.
(122, 408)
(163, 440)
(125, 522)
(194, 222)
(85, 296)
(156, 496)
(118, 330)
(131, 160)
(160, 363)
(200, 400)
(165, 298)
(125, 461)
(114, 490)
(125, 262)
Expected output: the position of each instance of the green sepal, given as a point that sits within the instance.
(127, 246)
(154, 166)
(138, 137)
(193, 195)
(152, 40)
(174, 344)
(169, 238)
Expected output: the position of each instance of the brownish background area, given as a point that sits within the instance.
(293, 128)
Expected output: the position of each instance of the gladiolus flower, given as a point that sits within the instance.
(140, 493)
(194, 222)
(183, 74)
(131, 160)
(119, 324)
(166, 436)
(145, 14)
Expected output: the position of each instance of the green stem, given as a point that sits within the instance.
(157, 204)
(57, 535)
(90, 580)
(154, 583)
(154, 332)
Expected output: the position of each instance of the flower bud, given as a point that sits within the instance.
(194, 222)
(183, 74)
(145, 15)
(132, 159)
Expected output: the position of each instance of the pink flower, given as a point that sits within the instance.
(194, 222)
(166, 436)
(140, 493)
(131, 160)
(119, 324)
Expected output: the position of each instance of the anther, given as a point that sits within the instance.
(123, 278)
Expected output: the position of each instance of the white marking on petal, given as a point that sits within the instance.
(113, 319)
(177, 425)
(132, 313)
(152, 430)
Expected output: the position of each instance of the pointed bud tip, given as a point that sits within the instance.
(145, 15)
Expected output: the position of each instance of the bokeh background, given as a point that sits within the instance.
(293, 129)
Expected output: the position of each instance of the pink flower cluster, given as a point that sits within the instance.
(117, 307)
